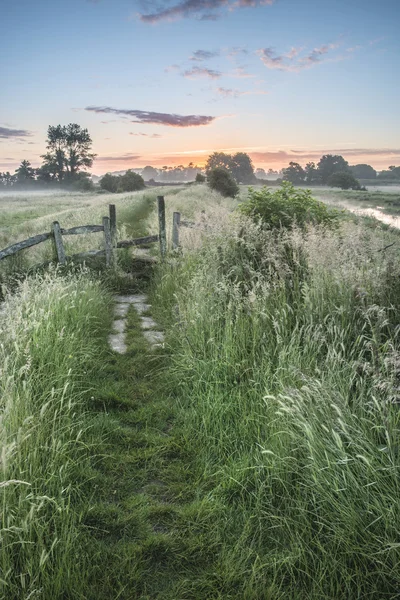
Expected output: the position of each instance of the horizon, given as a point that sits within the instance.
(281, 80)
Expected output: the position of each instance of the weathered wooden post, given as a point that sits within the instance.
(108, 242)
(176, 221)
(58, 243)
(162, 228)
(113, 224)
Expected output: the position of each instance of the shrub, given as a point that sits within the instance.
(200, 178)
(131, 182)
(222, 181)
(109, 183)
(344, 180)
(286, 206)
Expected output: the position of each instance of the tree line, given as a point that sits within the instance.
(69, 154)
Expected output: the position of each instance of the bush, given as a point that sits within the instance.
(344, 180)
(200, 178)
(222, 181)
(286, 206)
(131, 182)
(109, 183)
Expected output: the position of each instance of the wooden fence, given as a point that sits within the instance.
(109, 229)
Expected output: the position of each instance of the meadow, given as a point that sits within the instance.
(255, 457)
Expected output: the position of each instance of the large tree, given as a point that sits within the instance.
(330, 164)
(294, 173)
(69, 151)
(219, 160)
(363, 171)
(242, 168)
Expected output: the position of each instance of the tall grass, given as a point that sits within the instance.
(49, 344)
(286, 358)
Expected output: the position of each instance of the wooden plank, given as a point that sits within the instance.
(138, 241)
(176, 220)
(113, 224)
(82, 229)
(162, 227)
(58, 243)
(108, 243)
(33, 241)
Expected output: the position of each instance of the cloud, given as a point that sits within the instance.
(232, 93)
(172, 68)
(196, 72)
(120, 158)
(7, 134)
(153, 135)
(200, 55)
(199, 8)
(295, 60)
(155, 118)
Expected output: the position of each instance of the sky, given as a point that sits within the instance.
(168, 82)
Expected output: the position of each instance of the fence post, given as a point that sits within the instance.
(108, 242)
(58, 243)
(162, 228)
(113, 224)
(176, 220)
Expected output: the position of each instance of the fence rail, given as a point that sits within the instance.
(109, 229)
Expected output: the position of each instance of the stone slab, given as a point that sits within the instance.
(148, 323)
(131, 299)
(141, 307)
(155, 338)
(117, 342)
(121, 310)
(119, 325)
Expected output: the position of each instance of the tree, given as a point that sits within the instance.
(330, 164)
(219, 160)
(131, 182)
(294, 173)
(7, 180)
(25, 174)
(260, 173)
(69, 151)
(344, 180)
(149, 173)
(109, 183)
(220, 180)
(200, 178)
(242, 168)
(311, 173)
(363, 171)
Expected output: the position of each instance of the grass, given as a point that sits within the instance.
(256, 456)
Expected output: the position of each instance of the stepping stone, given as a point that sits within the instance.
(121, 310)
(117, 342)
(148, 323)
(155, 338)
(131, 299)
(119, 325)
(142, 308)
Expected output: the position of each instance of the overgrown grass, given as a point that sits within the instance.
(287, 352)
(51, 341)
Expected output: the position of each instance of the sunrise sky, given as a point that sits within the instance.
(166, 82)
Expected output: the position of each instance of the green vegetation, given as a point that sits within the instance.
(220, 180)
(239, 165)
(286, 207)
(129, 182)
(255, 456)
(343, 180)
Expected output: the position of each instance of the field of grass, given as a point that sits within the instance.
(255, 457)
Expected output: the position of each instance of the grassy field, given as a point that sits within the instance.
(255, 457)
